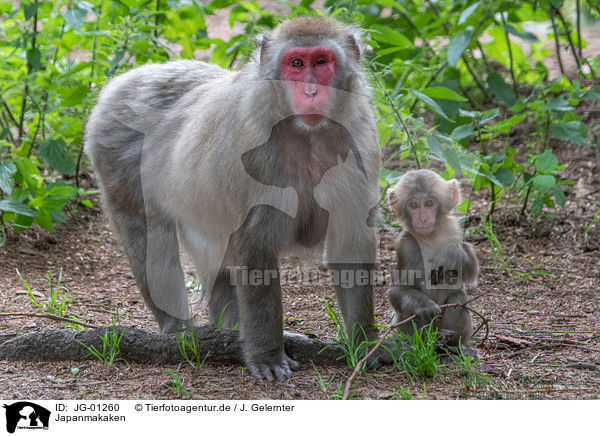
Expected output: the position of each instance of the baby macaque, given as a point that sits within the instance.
(435, 265)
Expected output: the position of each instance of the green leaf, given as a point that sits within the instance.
(457, 46)
(75, 17)
(464, 16)
(34, 58)
(17, 207)
(525, 36)
(430, 102)
(54, 153)
(442, 92)
(462, 132)
(389, 36)
(505, 126)
(504, 176)
(546, 162)
(593, 94)
(559, 196)
(62, 190)
(7, 183)
(29, 9)
(570, 131)
(544, 183)
(500, 89)
(559, 103)
(87, 203)
(73, 95)
(44, 219)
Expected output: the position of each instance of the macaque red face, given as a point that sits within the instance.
(423, 214)
(308, 71)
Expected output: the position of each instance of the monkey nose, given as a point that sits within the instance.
(310, 89)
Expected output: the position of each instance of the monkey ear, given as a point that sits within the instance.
(454, 191)
(354, 47)
(354, 40)
(393, 200)
(262, 41)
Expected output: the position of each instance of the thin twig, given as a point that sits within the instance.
(556, 41)
(510, 55)
(49, 316)
(399, 118)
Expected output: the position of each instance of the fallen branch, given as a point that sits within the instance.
(387, 331)
(48, 316)
(143, 347)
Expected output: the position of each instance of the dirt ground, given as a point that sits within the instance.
(542, 309)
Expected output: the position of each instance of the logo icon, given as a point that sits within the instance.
(26, 415)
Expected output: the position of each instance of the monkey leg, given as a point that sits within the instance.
(355, 299)
(261, 319)
(223, 305)
(457, 319)
(153, 255)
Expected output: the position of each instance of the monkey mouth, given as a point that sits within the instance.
(312, 119)
(425, 230)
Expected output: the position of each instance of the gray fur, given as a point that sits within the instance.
(421, 289)
(190, 152)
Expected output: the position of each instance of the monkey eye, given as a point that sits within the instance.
(321, 61)
(297, 63)
(429, 203)
(413, 205)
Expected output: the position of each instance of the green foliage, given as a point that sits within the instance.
(58, 296)
(177, 382)
(591, 224)
(355, 347)
(415, 354)
(188, 348)
(402, 393)
(471, 378)
(472, 65)
(110, 350)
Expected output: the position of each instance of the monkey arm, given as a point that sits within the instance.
(470, 266)
(408, 301)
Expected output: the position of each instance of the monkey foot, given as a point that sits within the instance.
(269, 371)
(466, 350)
(381, 356)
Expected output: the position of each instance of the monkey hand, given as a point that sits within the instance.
(277, 366)
(427, 312)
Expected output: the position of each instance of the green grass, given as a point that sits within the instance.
(415, 355)
(355, 347)
(188, 348)
(110, 350)
(58, 296)
(471, 378)
(402, 393)
(178, 381)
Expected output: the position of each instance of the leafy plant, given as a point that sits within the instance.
(110, 350)
(324, 385)
(471, 378)
(354, 347)
(591, 224)
(415, 354)
(402, 393)
(188, 348)
(58, 302)
(178, 381)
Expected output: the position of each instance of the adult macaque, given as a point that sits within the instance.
(242, 167)
(435, 265)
